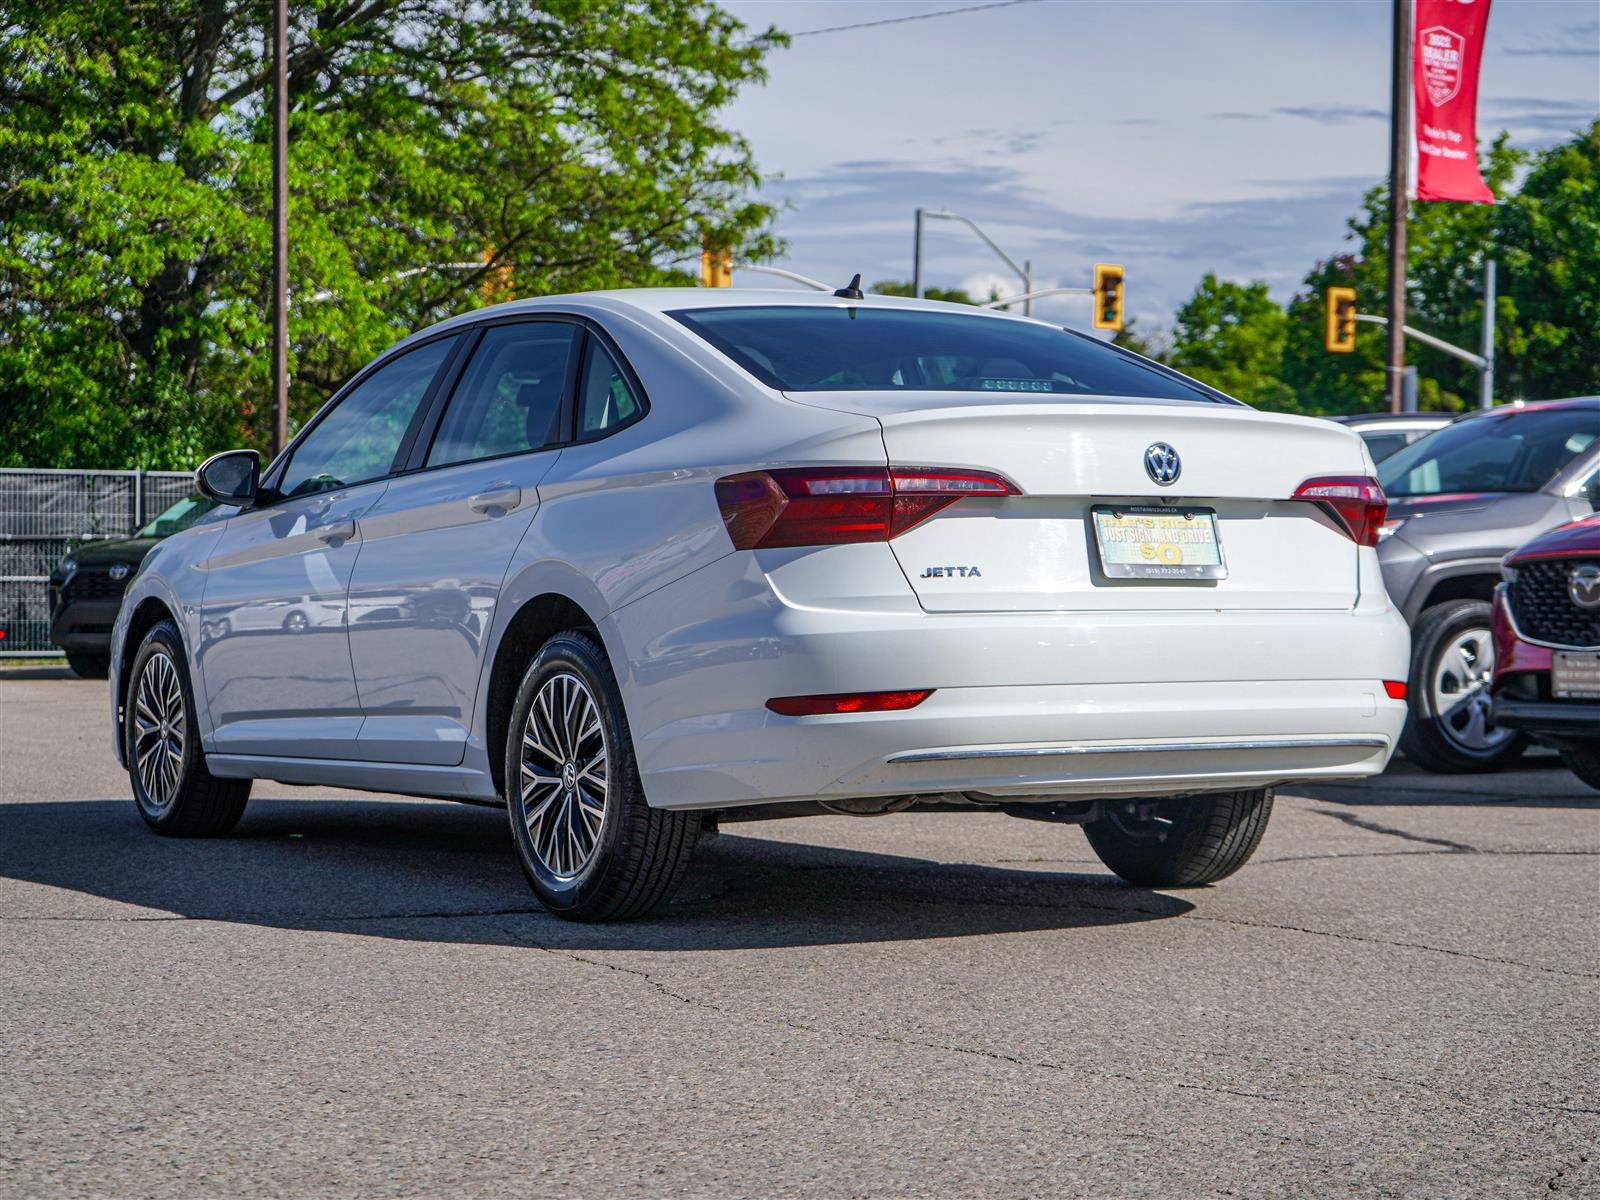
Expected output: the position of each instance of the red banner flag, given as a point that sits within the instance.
(1446, 48)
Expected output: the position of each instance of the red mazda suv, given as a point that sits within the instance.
(1547, 644)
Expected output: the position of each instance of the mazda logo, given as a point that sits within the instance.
(120, 571)
(1583, 585)
(1162, 464)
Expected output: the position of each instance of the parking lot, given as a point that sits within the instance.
(359, 995)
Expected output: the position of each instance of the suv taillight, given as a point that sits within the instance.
(826, 506)
(1357, 500)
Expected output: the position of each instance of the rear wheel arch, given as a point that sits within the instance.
(535, 622)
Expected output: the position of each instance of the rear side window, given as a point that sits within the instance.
(605, 401)
(831, 349)
(509, 399)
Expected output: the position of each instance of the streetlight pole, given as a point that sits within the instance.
(1399, 164)
(1025, 273)
(280, 227)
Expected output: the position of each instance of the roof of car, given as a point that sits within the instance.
(1537, 406)
(667, 300)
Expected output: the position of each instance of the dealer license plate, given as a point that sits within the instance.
(1159, 543)
(1574, 676)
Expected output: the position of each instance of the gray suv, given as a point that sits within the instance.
(1459, 501)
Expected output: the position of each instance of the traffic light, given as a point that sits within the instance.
(1339, 335)
(716, 265)
(1107, 296)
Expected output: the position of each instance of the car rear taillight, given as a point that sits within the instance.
(827, 506)
(1357, 500)
(847, 702)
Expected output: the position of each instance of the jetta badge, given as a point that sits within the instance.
(1583, 585)
(120, 571)
(1162, 464)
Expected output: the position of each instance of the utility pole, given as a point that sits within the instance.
(1399, 164)
(1486, 376)
(280, 227)
(916, 258)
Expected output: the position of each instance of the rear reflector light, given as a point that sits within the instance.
(826, 506)
(1396, 688)
(1357, 500)
(847, 702)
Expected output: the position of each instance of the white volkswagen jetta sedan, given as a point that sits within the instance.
(629, 561)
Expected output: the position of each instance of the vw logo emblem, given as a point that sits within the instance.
(1583, 585)
(1162, 464)
(120, 571)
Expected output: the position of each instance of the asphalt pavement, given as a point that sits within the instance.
(357, 995)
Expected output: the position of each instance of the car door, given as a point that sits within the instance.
(437, 544)
(274, 658)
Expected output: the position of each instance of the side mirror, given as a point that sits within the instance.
(231, 477)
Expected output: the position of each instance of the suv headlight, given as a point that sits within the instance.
(68, 566)
(1507, 574)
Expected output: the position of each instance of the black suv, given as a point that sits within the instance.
(86, 587)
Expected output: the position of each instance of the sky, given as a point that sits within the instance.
(1173, 136)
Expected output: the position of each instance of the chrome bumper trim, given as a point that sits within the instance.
(917, 756)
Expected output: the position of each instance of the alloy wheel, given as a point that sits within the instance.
(564, 772)
(1461, 697)
(159, 729)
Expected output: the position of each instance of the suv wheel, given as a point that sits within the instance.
(1584, 762)
(1451, 728)
(89, 666)
(175, 792)
(590, 845)
(1183, 842)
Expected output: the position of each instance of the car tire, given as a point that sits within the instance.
(175, 793)
(1452, 653)
(1185, 842)
(89, 666)
(589, 844)
(1584, 762)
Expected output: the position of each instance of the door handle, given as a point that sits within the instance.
(502, 498)
(336, 531)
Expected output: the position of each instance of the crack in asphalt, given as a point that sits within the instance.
(656, 985)
(1391, 831)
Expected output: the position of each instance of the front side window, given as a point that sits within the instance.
(509, 399)
(360, 438)
(606, 402)
(1518, 450)
(816, 348)
(179, 517)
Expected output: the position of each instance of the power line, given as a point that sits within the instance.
(927, 16)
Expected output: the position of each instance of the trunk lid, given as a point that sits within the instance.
(1039, 551)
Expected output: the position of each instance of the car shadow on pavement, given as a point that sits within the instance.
(1539, 780)
(446, 873)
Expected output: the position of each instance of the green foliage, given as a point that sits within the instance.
(900, 287)
(1231, 336)
(1545, 236)
(566, 146)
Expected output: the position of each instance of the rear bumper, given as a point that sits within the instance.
(1026, 704)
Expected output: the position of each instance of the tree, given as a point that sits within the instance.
(900, 287)
(569, 146)
(1231, 335)
(1545, 236)
(1548, 240)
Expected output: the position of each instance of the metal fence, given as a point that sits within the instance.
(44, 514)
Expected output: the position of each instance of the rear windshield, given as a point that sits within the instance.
(1519, 450)
(827, 349)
